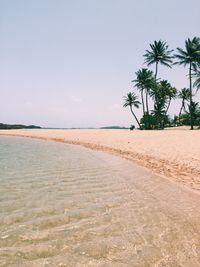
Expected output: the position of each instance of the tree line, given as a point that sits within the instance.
(161, 92)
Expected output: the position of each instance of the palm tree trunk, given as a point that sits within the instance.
(142, 97)
(147, 104)
(168, 106)
(191, 115)
(156, 71)
(147, 107)
(135, 117)
(180, 111)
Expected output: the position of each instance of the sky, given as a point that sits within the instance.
(68, 63)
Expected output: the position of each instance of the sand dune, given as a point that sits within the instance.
(173, 154)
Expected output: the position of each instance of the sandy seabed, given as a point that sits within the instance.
(174, 154)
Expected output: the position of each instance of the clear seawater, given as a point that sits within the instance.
(64, 205)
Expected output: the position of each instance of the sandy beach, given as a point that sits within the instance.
(174, 154)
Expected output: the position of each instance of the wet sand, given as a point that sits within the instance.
(174, 154)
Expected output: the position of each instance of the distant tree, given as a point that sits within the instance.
(131, 100)
(159, 53)
(189, 57)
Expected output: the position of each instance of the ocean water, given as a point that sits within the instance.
(64, 205)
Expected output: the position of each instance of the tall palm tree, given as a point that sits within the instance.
(184, 95)
(189, 57)
(159, 53)
(131, 100)
(144, 82)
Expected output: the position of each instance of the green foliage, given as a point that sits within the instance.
(144, 79)
(191, 57)
(148, 119)
(131, 100)
(113, 127)
(156, 120)
(159, 53)
(197, 79)
(144, 82)
(184, 119)
(162, 92)
(191, 54)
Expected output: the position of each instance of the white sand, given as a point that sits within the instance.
(174, 154)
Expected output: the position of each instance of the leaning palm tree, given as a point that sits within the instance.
(139, 84)
(189, 57)
(131, 100)
(170, 91)
(184, 95)
(144, 82)
(159, 53)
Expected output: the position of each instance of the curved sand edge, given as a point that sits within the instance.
(172, 154)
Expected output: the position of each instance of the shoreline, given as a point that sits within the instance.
(185, 172)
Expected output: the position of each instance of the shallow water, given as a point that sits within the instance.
(63, 205)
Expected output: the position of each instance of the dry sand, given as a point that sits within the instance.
(174, 154)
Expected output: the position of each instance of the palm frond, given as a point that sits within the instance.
(159, 53)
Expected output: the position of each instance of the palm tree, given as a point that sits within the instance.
(159, 92)
(171, 93)
(139, 83)
(159, 53)
(190, 56)
(159, 114)
(162, 95)
(144, 82)
(131, 100)
(184, 94)
(194, 107)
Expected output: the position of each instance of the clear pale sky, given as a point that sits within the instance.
(68, 63)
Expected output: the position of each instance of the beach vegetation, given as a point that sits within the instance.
(184, 95)
(131, 100)
(156, 95)
(158, 53)
(4, 126)
(190, 56)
